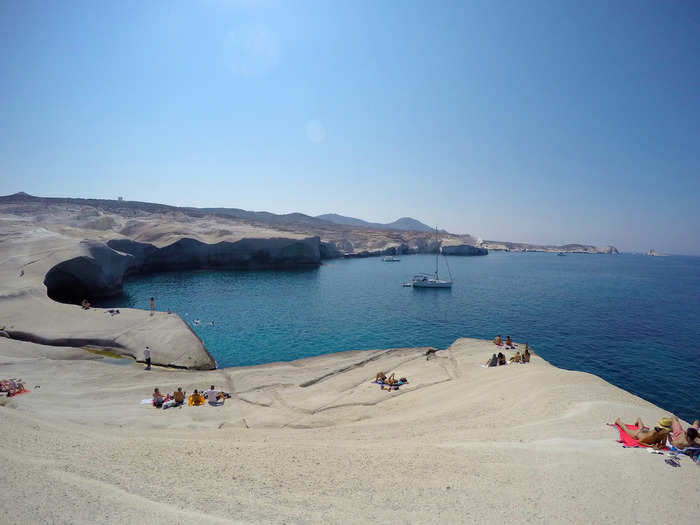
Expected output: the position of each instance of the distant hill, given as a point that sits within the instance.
(404, 223)
(122, 206)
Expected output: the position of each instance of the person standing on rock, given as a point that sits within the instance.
(152, 305)
(147, 357)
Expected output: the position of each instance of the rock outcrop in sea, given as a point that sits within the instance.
(464, 249)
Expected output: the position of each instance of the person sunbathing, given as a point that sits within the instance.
(497, 341)
(85, 304)
(389, 381)
(515, 358)
(179, 396)
(214, 397)
(12, 387)
(689, 438)
(8, 385)
(158, 398)
(392, 383)
(493, 361)
(501, 359)
(381, 376)
(682, 439)
(653, 437)
(509, 342)
(526, 356)
(196, 399)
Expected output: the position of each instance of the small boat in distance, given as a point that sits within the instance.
(424, 280)
(561, 254)
(390, 258)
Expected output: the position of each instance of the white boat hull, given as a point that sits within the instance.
(432, 283)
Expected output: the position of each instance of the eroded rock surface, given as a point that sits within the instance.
(464, 249)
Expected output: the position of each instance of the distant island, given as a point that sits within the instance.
(564, 248)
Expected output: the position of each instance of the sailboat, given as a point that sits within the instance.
(425, 280)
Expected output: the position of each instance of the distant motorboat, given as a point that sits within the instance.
(561, 254)
(424, 280)
(390, 258)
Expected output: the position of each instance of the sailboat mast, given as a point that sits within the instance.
(437, 253)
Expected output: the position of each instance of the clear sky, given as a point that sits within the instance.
(545, 122)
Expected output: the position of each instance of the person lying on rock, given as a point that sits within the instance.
(390, 381)
(682, 439)
(653, 437)
(516, 358)
(85, 304)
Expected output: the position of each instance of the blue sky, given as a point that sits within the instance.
(544, 122)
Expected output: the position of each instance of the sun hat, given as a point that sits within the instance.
(665, 423)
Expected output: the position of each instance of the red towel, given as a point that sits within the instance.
(628, 440)
(25, 391)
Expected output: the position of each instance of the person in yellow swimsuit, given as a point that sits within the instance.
(196, 399)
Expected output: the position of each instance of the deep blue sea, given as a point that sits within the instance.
(630, 319)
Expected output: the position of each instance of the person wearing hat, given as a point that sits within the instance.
(653, 437)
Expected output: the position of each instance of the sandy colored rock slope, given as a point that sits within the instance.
(315, 441)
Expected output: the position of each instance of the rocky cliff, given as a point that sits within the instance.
(246, 254)
(464, 249)
(40, 265)
(98, 269)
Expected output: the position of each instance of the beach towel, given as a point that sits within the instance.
(395, 386)
(25, 391)
(629, 441)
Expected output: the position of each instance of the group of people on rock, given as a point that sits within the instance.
(668, 430)
(12, 387)
(212, 396)
(508, 343)
(389, 381)
(500, 358)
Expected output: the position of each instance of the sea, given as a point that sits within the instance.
(630, 319)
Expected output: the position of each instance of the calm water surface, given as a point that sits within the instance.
(633, 320)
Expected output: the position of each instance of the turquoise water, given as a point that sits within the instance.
(633, 320)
